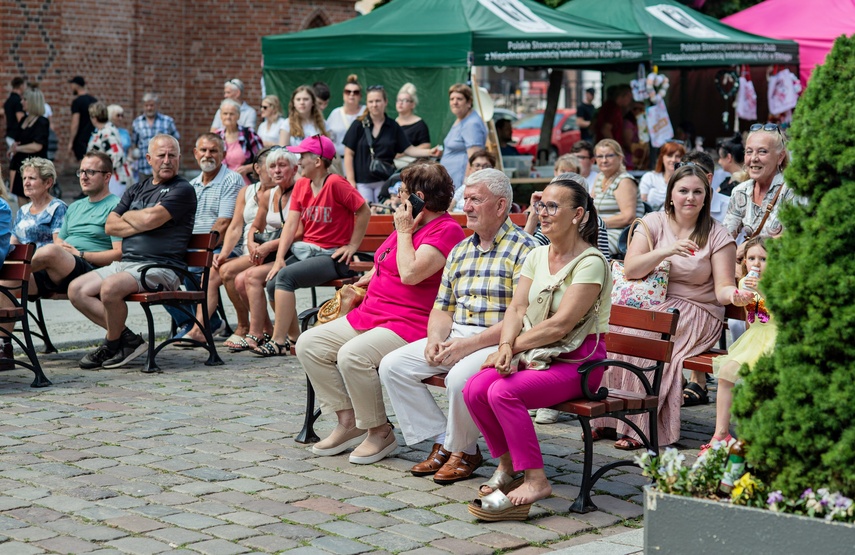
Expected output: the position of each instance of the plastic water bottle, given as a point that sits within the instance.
(753, 273)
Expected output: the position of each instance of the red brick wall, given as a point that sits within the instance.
(182, 50)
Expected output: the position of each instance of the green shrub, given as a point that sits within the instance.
(796, 407)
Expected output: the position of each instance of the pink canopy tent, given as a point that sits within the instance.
(813, 24)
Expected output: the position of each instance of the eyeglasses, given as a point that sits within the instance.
(605, 156)
(90, 173)
(551, 207)
(486, 166)
(376, 88)
(765, 127)
(404, 100)
(579, 157)
(352, 91)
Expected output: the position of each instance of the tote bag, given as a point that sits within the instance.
(643, 293)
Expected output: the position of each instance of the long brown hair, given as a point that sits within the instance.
(704, 224)
(294, 118)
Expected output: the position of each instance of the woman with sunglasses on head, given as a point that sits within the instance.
(615, 191)
(341, 357)
(304, 117)
(702, 254)
(766, 157)
(387, 140)
(467, 134)
(654, 183)
(340, 119)
(414, 127)
(272, 129)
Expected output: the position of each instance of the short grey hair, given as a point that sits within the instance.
(281, 154)
(229, 102)
(164, 137)
(44, 167)
(150, 97)
(496, 182)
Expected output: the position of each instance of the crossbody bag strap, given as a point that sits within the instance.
(769, 208)
(281, 216)
(368, 137)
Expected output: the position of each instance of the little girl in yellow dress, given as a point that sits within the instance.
(757, 340)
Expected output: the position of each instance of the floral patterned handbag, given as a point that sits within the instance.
(640, 293)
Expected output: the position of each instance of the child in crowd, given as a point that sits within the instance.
(758, 340)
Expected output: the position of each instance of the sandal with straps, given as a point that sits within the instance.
(273, 349)
(694, 395)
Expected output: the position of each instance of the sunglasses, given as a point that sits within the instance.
(765, 127)
(352, 91)
(263, 107)
(376, 88)
(676, 142)
(679, 165)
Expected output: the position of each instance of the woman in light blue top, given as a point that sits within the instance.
(40, 220)
(467, 135)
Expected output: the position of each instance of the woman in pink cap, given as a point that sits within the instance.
(334, 217)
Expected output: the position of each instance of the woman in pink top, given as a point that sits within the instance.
(342, 356)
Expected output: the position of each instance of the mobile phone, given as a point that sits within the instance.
(417, 203)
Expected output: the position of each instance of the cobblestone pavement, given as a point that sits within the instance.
(202, 460)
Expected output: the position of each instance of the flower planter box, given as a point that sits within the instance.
(676, 524)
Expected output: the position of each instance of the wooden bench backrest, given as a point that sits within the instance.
(17, 264)
(200, 250)
(380, 226)
(664, 324)
(734, 312)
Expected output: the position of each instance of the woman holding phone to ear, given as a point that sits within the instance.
(341, 357)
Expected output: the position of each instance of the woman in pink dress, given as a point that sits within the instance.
(242, 143)
(342, 356)
(702, 255)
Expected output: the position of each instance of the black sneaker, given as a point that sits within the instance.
(131, 348)
(96, 358)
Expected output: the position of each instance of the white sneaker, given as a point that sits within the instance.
(546, 416)
(532, 412)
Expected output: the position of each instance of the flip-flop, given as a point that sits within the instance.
(496, 507)
(501, 481)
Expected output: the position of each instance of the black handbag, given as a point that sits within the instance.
(265, 236)
(380, 170)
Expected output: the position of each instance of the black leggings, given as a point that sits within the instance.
(307, 273)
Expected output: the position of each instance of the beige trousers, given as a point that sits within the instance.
(342, 364)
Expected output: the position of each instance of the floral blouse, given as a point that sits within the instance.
(107, 140)
(39, 228)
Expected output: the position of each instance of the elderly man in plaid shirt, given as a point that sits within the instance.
(146, 126)
(477, 286)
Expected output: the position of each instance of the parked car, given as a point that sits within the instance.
(565, 133)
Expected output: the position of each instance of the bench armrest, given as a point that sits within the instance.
(191, 277)
(603, 392)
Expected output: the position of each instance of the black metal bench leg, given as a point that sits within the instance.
(213, 358)
(39, 379)
(151, 366)
(307, 434)
(583, 503)
(40, 322)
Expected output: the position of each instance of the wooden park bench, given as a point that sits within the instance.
(656, 346)
(703, 361)
(15, 271)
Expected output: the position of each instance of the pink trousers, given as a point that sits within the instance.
(499, 404)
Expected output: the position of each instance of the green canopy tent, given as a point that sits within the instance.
(434, 44)
(682, 37)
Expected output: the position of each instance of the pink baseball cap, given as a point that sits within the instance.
(316, 144)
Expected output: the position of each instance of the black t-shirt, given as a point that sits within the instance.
(80, 105)
(417, 133)
(12, 107)
(38, 132)
(586, 112)
(167, 243)
(391, 141)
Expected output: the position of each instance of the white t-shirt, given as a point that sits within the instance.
(269, 133)
(337, 125)
(309, 129)
(653, 185)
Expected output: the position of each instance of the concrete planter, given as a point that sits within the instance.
(675, 524)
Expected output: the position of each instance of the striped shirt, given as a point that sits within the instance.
(217, 199)
(477, 286)
(143, 133)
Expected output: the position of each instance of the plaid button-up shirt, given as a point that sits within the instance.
(478, 285)
(143, 133)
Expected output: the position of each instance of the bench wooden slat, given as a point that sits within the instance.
(190, 296)
(16, 313)
(438, 380)
(659, 322)
(634, 345)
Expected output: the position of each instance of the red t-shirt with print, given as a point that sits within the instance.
(328, 218)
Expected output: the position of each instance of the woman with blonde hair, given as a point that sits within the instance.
(615, 191)
(32, 140)
(414, 127)
(343, 117)
(304, 118)
(273, 128)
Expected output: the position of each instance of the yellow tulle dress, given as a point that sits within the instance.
(757, 340)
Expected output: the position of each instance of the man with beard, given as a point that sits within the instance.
(155, 221)
(146, 126)
(217, 188)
